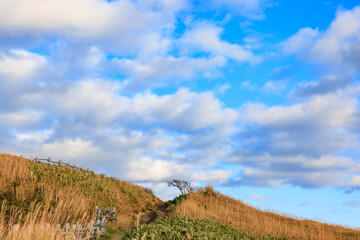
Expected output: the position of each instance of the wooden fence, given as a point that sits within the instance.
(92, 230)
(58, 163)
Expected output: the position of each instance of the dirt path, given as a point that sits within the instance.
(149, 217)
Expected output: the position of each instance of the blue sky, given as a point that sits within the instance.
(258, 98)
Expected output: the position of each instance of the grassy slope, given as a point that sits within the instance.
(208, 204)
(34, 192)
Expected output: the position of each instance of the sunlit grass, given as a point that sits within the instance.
(209, 204)
(38, 197)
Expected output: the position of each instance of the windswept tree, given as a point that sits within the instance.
(185, 187)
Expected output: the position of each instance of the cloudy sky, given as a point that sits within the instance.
(259, 98)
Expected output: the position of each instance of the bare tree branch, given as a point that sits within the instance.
(185, 187)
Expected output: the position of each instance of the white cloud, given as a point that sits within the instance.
(206, 37)
(354, 181)
(22, 120)
(213, 176)
(248, 85)
(287, 176)
(19, 64)
(161, 190)
(223, 88)
(324, 111)
(181, 111)
(159, 69)
(146, 169)
(295, 144)
(92, 101)
(338, 45)
(71, 149)
(88, 121)
(138, 27)
(301, 41)
(328, 84)
(274, 87)
(34, 136)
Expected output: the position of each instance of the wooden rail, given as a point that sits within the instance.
(92, 230)
(58, 163)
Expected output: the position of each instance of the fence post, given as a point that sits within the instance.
(103, 226)
(98, 227)
(67, 227)
(49, 160)
(60, 162)
(96, 212)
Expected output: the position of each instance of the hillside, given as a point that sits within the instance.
(38, 193)
(35, 194)
(209, 204)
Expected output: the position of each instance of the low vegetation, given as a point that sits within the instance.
(209, 204)
(178, 228)
(35, 194)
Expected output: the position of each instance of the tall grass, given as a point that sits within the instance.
(37, 197)
(209, 204)
(38, 223)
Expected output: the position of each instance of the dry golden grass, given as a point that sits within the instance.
(208, 204)
(39, 196)
(37, 223)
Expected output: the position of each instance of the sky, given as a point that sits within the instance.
(258, 98)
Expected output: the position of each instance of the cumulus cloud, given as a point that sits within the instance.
(161, 189)
(206, 37)
(182, 111)
(323, 86)
(131, 41)
(335, 51)
(337, 46)
(140, 26)
(213, 176)
(21, 120)
(223, 88)
(89, 120)
(20, 64)
(79, 86)
(274, 87)
(295, 144)
(75, 148)
(277, 171)
(147, 169)
(301, 41)
(159, 69)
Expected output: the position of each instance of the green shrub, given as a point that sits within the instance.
(179, 228)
